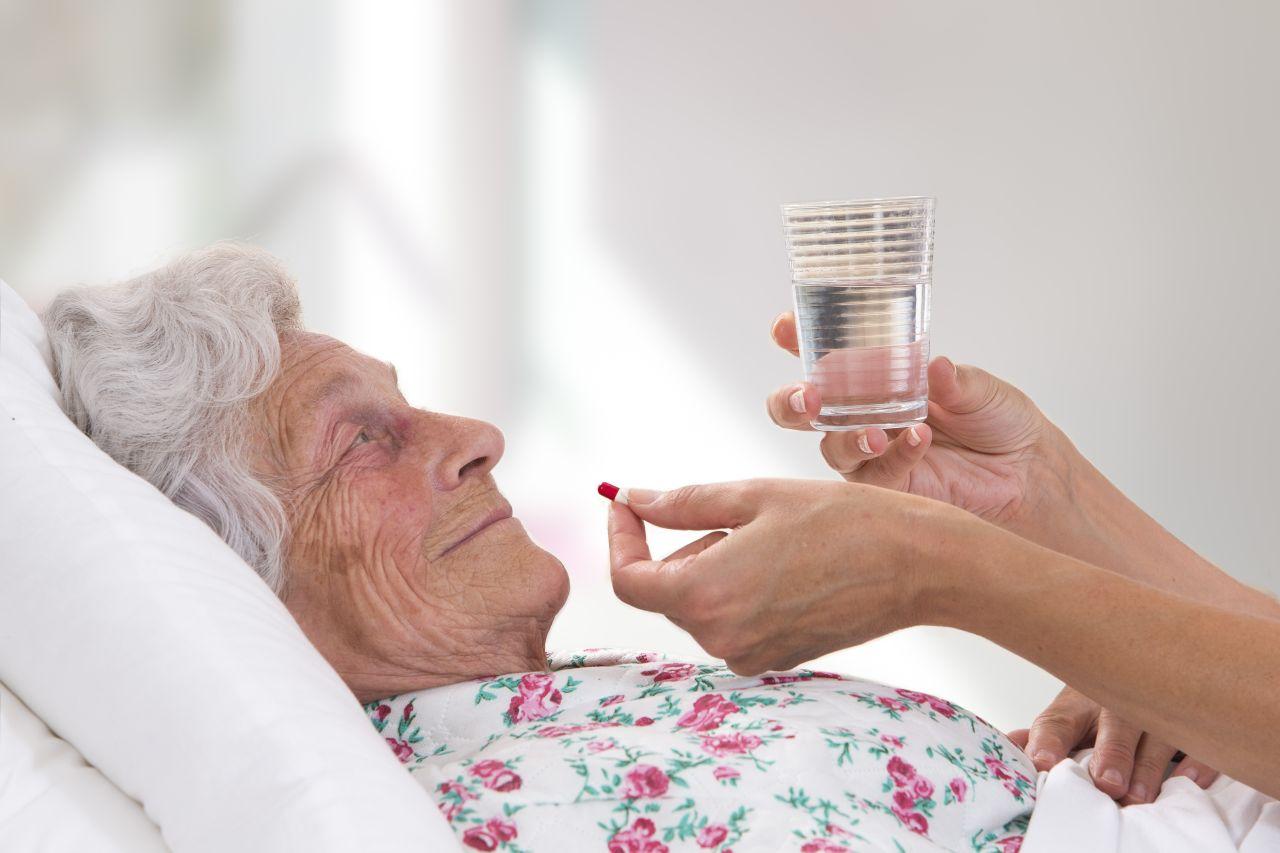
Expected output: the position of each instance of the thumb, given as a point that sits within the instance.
(1060, 728)
(705, 507)
(961, 389)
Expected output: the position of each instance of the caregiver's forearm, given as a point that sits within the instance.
(1094, 521)
(1202, 677)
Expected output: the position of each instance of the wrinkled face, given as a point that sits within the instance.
(405, 565)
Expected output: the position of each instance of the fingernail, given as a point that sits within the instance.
(1044, 756)
(863, 443)
(796, 400)
(1191, 773)
(913, 437)
(1113, 776)
(1140, 793)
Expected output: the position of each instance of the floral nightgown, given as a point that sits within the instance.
(632, 753)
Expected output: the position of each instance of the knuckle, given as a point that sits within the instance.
(622, 588)
(1120, 736)
(1148, 767)
(1114, 754)
(681, 497)
(1152, 762)
(750, 491)
(678, 577)
(1052, 722)
(1072, 702)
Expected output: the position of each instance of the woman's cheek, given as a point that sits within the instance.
(399, 510)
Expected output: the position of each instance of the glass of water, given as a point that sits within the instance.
(861, 272)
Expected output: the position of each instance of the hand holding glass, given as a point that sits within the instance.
(861, 271)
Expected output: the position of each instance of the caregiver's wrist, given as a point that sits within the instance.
(956, 556)
(1064, 494)
(1096, 522)
(1021, 595)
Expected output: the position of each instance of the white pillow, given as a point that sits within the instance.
(131, 629)
(51, 801)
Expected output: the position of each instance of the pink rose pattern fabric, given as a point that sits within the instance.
(630, 753)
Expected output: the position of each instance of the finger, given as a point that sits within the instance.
(891, 469)
(961, 389)
(1018, 737)
(703, 507)
(1149, 764)
(639, 580)
(1198, 772)
(1060, 728)
(784, 332)
(849, 450)
(1112, 763)
(627, 541)
(794, 406)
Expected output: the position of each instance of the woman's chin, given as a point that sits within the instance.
(519, 567)
(553, 581)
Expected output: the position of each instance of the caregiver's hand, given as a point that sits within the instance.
(986, 447)
(809, 567)
(1127, 763)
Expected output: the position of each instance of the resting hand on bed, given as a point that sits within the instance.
(1127, 763)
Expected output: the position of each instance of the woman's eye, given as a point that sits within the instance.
(361, 438)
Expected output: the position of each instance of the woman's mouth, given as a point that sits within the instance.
(499, 513)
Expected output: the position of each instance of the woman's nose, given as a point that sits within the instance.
(472, 449)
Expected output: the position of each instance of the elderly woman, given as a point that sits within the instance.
(381, 527)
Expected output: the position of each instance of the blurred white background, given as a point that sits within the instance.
(563, 217)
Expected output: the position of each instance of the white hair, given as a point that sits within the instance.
(159, 372)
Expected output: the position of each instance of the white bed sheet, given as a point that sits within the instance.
(1072, 815)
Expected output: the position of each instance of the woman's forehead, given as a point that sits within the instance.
(316, 367)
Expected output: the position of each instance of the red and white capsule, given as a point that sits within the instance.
(613, 493)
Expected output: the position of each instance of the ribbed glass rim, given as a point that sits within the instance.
(860, 239)
(907, 201)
